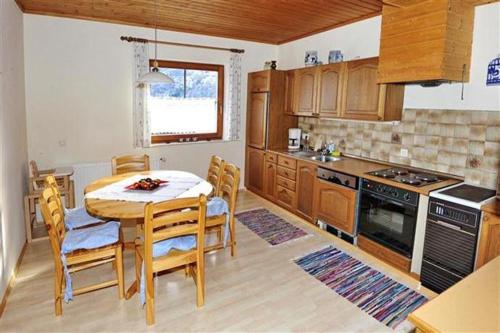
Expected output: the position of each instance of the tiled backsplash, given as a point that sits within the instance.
(463, 143)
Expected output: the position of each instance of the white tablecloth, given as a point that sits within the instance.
(180, 185)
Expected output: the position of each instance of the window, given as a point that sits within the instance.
(191, 108)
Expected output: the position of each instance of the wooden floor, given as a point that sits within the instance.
(261, 290)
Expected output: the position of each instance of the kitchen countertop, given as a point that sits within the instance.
(360, 167)
(492, 207)
(471, 305)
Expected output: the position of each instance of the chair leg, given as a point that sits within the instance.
(232, 235)
(58, 291)
(119, 271)
(150, 299)
(27, 218)
(200, 283)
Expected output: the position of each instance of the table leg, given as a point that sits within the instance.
(131, 245)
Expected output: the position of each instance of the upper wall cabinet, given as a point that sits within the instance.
(343, 90)
(426, 40)
(330, 79)
(367, 100)
(305, 91)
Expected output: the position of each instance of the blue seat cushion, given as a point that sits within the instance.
(217, 206)
(78, 217)
(91, 238)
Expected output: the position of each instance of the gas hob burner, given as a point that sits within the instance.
(387, 173)
(400, 171)
(426, 177)
(410, 180)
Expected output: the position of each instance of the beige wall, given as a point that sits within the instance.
(13, 154)
(362, 39)
(79, 91)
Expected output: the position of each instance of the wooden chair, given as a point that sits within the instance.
(228, 190)
(129, 163)
(35, 186)
(167, 220)
(77, 260)
(215, 172)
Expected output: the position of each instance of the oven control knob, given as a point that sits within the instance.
(346, 182)
(395, 193)
(406, 196)
(379, 188)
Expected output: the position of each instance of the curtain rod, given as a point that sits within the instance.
(142, 40)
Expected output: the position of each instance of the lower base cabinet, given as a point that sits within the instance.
(489, 241)
(255, 164)
(270, 180)
(335, 205)
(306, 178)
(395, 259)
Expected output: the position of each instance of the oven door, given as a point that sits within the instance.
(388, 222)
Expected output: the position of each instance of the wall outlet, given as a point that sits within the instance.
(404, 152)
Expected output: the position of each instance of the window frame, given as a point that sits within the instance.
(164, 138)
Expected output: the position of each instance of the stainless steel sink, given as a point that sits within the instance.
(322, 158)
(304, 153)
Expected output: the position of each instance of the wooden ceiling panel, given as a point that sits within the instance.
(266, 21)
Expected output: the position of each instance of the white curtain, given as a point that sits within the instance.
(141, 115)
(232, 114)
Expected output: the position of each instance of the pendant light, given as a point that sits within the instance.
(154, 75)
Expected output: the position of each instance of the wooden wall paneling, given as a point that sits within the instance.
(425, 40)
(272, 22)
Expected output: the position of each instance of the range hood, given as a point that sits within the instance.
(426, 42)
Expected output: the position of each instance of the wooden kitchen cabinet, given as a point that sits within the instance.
(335, 205)
(367, 100)
(289, 92)
(305, 91)
(330, 78)
(259, 81)
(270, 180)
(306, 178)
(489, 241)
(257, 120)
(255, 164)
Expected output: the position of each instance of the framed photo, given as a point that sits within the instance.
(311, 58)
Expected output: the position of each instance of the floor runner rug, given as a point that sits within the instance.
(269, 226)
(378, 295)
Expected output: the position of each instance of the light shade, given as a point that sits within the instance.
(155, 76)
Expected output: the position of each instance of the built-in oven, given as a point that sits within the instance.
(388, 216)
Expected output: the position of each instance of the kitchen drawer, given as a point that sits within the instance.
(285, 197)
(271, 157)
(287, 162)
(395, 259)
(286, 173)
(287, 183)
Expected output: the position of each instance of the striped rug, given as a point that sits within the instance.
(269, 227)
(381, 297)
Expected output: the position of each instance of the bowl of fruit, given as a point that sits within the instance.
(146, 184)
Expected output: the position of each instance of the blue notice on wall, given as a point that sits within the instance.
(493, 76)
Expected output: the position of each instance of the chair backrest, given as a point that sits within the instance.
(129, 163)
(215, 172)
(50, 181)
(174, 218)
(54, 220)
(229, 185)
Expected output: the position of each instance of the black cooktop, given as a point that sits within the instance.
(470, 192)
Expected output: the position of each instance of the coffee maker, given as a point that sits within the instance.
(294, 138)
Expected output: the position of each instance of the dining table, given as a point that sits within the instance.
(111, 198)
